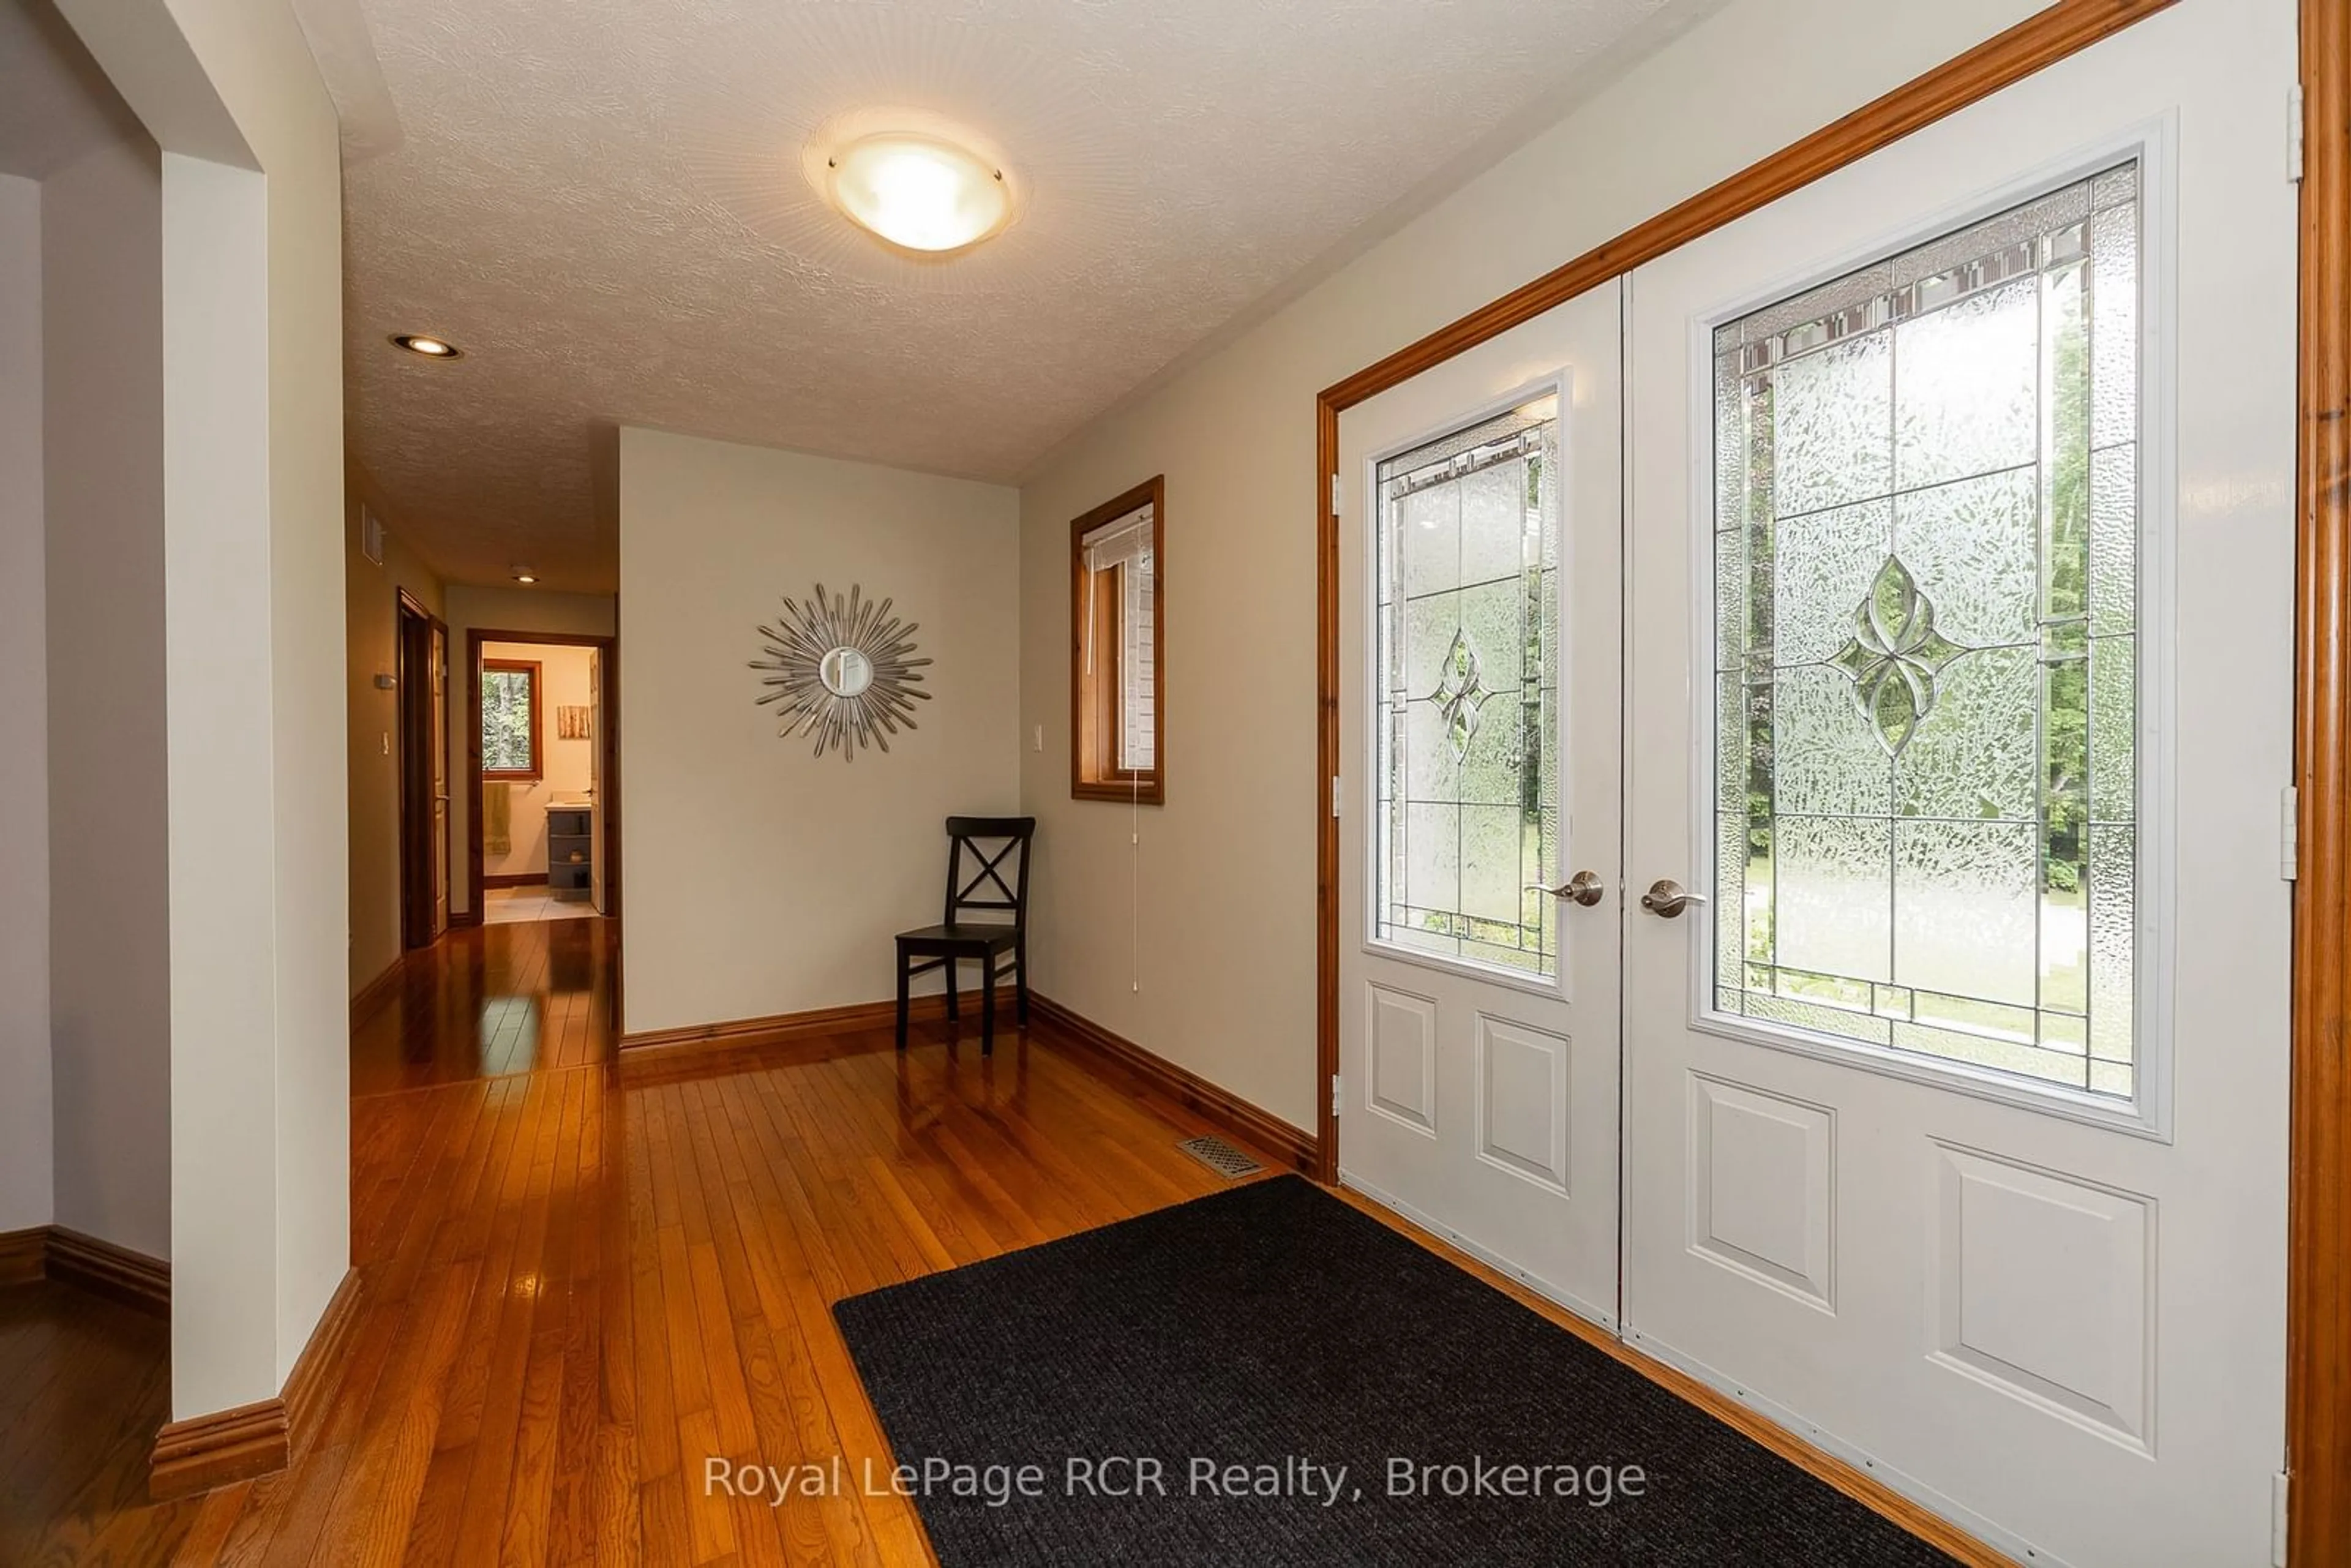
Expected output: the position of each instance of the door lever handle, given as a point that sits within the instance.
(1583, 888)
(1667, 898)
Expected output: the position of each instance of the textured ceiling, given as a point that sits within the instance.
(601, 201)
(55, 103)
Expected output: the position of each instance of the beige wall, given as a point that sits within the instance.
(254, 655)
(25, 1182)
(1218, 897)
(761, 879)
(109, 957)
(371, 641)
(258, 50)
(565, 771)
(501, 610)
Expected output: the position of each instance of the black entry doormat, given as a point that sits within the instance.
(1268, 1376)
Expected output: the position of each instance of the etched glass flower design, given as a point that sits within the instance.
(1927, 652)
(1895, 657)
(1460, 692)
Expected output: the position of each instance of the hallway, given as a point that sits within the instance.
(574, 1290)
(578, 1283)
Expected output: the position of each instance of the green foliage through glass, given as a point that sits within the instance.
(509, 718)
(1926, 558)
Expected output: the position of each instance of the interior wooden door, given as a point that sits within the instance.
(421, 696)
(438, 719)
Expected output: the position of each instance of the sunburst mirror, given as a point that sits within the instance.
(844, 672)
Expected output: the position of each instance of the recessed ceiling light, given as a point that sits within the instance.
(431, 347)
(920, 192)
(524, 574)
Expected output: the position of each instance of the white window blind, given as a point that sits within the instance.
(1120, 542)
(1138, 675)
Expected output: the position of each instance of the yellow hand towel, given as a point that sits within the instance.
(497, 819)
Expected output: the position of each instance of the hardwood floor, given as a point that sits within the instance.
(573, 1293)
(83, 1388)
(576, 1290)
(486, 1002)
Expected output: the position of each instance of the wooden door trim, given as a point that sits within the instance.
(2042, 39)
(2318, 1234)
(414, 838)
(609, 776)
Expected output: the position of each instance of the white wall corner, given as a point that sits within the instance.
(27, 1184)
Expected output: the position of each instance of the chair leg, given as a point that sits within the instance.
(988, 1008)
(952, 971)
(902, 977)
(1020, 977)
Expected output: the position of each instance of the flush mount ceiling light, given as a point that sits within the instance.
(524, 574)
(917, 191)
(430, 347)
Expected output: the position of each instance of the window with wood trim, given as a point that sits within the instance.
(1118, 630)
(510, 721)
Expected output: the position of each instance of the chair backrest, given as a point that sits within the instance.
(988, 886)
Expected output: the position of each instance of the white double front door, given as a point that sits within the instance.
(1878, 611)
(1478, 1009)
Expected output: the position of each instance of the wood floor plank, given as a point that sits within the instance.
(397, 1447)
(208, 1534)
(790, 1308)
(577, 1294)
(612, 1494)
(580, 1316)
(500, 1413)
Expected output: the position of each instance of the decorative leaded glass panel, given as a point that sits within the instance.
(1468, 629)
(1927, 672)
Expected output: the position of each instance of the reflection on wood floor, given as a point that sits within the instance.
(493, 1001)
(574, 1292)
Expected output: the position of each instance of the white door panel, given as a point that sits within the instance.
(1866, 1188)
(1478, 1019)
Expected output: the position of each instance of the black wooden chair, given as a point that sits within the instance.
(988, 943)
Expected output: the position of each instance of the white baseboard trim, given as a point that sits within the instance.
(1535, 1282)
(1827, 1442)
(1655, 1350)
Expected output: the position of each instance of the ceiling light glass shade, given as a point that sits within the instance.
(919, 192)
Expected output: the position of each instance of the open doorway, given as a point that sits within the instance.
(423, 682)
(543, 746)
